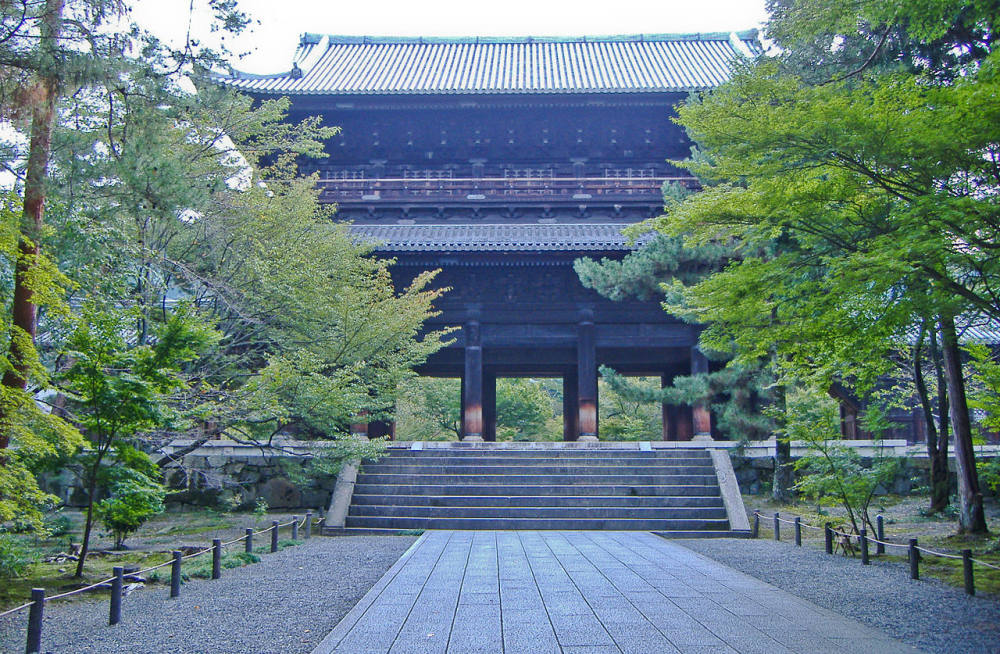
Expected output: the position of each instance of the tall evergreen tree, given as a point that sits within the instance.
(875, 179)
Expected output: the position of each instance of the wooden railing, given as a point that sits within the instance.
(497, 189)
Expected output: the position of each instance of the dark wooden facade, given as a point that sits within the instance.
(503, 184)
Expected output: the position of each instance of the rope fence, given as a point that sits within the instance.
(845, 540)
(38, 601)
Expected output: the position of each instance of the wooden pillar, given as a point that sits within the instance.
(461, 408)
(669, 421)
(571, 404)
(360, 426)
(489, 406)
(701, 418)
(586, 370)
(472, 410)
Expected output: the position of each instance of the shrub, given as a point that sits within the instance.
(833, 473)
(58, 524)
(15, 557)
(131, 504)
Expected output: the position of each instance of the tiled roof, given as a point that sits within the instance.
(612, 64)
(980, 330)
(494, 238)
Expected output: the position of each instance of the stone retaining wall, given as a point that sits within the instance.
(225, 473)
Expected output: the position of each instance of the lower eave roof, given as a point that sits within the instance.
(576, 237)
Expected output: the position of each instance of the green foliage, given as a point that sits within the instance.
(984, 387)
(131, 504)
(16, 558)
(626, 412)
(833, 473)
(736, 394)
(328, 457)
(523, 408)
(260, 508)
(641, 274)
(989, 472)
(430, 409)
(32, 436)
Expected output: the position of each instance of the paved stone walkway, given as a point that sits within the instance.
(583, 592)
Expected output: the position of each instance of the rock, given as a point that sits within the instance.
(279, 493)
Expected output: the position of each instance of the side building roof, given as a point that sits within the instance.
(608, 64)
(597, 237)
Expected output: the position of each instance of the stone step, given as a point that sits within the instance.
(565, 479)
(571, 490)
(622, 501)
(609, 524)
(579, 455)
(533, 468)
(542, 462)
(553, 512)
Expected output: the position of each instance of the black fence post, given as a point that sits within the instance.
(248, 541)
(216, 558)
(914, 560)
(116, 596)
(828, 536)
(970, 583)
(34, 640)
(864, 547)
(309, 524)
(295, 527)
(798, 531)
(756, 523)
(777, 527)
(274, 536)
(175, 575)
(879, 534)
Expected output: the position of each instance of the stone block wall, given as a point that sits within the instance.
(238, 480)
(755, 475)
(226, 476)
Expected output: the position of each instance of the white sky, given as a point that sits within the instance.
(272, 42)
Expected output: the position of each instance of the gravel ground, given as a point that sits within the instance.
(285, 604)
(927, 613)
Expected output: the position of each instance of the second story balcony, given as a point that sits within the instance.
(625, 188)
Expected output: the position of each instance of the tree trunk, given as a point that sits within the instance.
(784, 473)
(940, 475)
(971, 518)
(24, 312)
(937, 444)
(89, 524)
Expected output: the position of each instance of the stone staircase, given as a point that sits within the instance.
(674, 491)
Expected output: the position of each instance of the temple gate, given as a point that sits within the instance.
(501, 161)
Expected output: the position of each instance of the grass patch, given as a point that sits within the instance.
(152, 544)
(905, 518)
(411, 532)
(950, 571)
(201, 567)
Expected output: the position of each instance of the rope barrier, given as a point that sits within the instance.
(887, 543)
(155, 567)
(39, 599)
(941, 554)
(196, 554)
(80, 590)
(872, 539)
(15, 610)
(988, 565)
